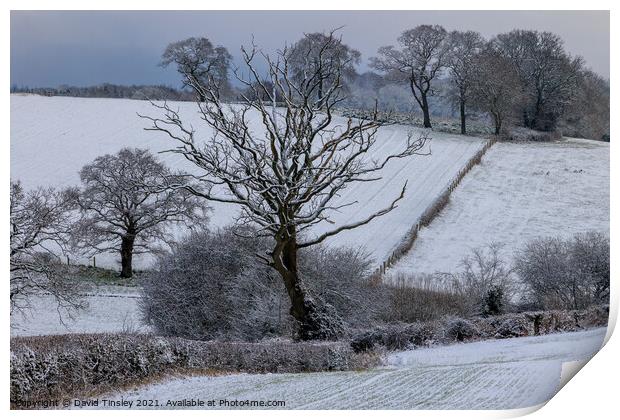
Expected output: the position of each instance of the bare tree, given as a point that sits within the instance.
(418, 61)
(266, 90)
(198, 58)
(320, 54)
(566, 273)
(588, 115)
(485, 281)
(40, 222)
(548, 74)
(126, 206)
(463, 48)
(496, 87)
(285, 176)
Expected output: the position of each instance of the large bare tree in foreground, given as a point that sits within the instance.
(287, 175)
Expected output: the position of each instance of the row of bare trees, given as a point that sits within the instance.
(523, 71)
(523, 76)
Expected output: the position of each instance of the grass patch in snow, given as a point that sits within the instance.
(103, 277)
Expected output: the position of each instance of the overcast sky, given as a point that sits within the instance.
(86, 48)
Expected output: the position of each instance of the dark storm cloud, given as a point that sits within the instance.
(83, 48)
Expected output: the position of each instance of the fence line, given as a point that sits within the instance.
(429, 214)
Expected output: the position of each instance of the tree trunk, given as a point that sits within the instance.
(313, 319)
(127, 255)
(463, 126)
(536, 120)
(498, 123)
(498, 127)
(526, 118)
(425, 111)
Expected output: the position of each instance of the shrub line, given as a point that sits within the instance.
(75, 365)
(450, 330)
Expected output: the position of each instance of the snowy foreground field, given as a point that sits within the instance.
(520, 192)
(52, 138)
(496, 374)
(503, 374)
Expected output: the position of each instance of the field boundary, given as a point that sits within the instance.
(429, 214)
(78, 366)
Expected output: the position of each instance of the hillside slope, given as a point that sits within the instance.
(52, 138)
(520, 191)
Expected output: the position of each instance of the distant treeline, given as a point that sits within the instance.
(581, 110)
(109, 90)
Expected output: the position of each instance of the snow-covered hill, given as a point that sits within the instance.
(520, 191)
(52, 138)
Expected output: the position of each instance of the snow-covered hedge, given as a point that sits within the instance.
(73, 365)
(449, 330)
(522, 134)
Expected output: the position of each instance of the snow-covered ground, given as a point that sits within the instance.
(520, 191)
(497, 374)
(110, 309)
(52, 138)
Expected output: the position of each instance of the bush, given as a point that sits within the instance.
(421, 298)
(485, 282)
(396, 337)
(493, 301)
(458, 329)
(565, 273)
(522, 134)
(213, 286)
(408, 336)
(512, 327)
(483, 286)
(70, 365)
(339, 277)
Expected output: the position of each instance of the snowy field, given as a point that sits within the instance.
(52, 138)
(496, 374)
(502, 374)
(110, 309)
(518, 193)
